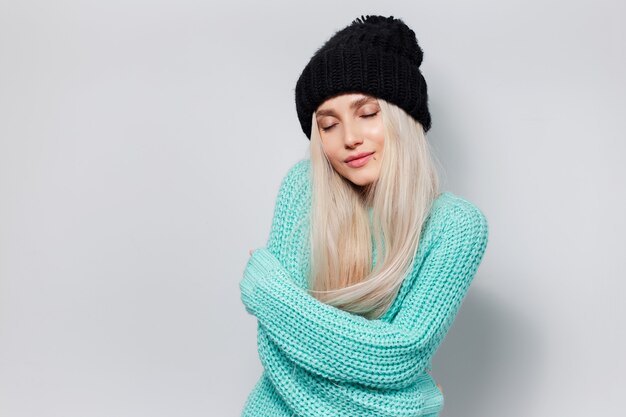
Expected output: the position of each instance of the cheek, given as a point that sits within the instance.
(377, 133)
(332, 154)
(380, 135)
(331, 151)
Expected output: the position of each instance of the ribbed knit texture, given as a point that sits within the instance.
(322, 361)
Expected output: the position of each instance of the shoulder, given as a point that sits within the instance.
(295, 186)
(456, 217)
(291, 208)
(297, 173)
(296, 182)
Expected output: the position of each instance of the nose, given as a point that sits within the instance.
(352, 137)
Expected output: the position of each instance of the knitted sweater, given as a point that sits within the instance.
(319, 360)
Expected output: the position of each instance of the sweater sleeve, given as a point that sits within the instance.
(290, 203)
(310, 395)
(289, 210)
(345, 347)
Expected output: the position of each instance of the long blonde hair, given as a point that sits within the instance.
(348, 222)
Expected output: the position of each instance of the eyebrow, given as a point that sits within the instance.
(354, 105)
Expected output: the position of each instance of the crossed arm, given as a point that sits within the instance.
(345, 347)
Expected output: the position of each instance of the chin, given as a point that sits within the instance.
(361, 182)
(360, 179)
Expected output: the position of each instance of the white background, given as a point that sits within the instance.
(142, 144)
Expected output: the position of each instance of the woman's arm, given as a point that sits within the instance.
(294, 196)
(310, 395)
(346, 347)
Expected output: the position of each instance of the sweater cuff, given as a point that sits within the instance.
(266, 267)
(433, 397)
(263, 260)
(254, 271)
(259, 269)
(247, 288)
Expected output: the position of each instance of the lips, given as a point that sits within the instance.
(357, 156)
(359, 162)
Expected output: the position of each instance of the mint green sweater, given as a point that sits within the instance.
(319, 360)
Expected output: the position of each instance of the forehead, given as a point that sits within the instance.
(351, 100)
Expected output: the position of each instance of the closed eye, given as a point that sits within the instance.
(365, 116)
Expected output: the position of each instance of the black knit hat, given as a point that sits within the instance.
(374, 55)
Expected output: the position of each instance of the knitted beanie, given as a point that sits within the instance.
(374, 55)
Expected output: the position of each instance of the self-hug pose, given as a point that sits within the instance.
(367, 262)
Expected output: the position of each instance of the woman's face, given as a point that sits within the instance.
(351, 125)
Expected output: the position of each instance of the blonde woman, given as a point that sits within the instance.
(367, 262)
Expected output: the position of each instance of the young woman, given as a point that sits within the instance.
(367, 263)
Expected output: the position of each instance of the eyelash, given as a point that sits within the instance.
(366, 116)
